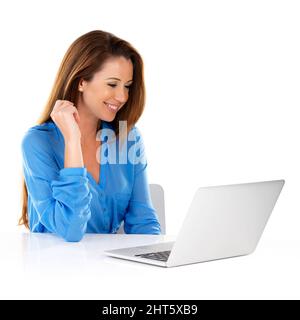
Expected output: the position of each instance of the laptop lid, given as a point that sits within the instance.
(225, 221)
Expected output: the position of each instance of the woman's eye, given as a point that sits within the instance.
(114, 85)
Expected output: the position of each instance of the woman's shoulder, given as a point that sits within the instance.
(135, 134)
(39, 135)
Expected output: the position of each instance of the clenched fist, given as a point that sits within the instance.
(66, 117)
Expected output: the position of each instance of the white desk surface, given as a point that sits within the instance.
(43, 266)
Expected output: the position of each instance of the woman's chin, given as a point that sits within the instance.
(107, 117)
(108, 113)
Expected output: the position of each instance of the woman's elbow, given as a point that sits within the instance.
(73, 235)
(73, 238)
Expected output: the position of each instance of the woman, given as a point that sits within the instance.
(80, 174)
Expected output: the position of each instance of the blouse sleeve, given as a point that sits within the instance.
(141, 217)
(61, 198)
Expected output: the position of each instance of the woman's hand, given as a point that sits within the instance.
(66, 117)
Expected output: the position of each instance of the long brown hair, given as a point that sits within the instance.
(83, 59)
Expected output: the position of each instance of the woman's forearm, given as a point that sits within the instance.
(73, 154)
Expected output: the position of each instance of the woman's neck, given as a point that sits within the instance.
(88, 125)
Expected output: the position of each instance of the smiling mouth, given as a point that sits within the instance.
(112, 107)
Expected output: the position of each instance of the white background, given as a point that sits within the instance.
(222, 80)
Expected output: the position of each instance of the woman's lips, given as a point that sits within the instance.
(112, 107)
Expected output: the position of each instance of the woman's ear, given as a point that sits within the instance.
(81, 85)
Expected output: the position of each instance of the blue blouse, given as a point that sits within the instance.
(69, 202)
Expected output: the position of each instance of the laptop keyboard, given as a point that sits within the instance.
(161, 256)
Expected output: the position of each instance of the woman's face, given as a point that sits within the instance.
(108, 90)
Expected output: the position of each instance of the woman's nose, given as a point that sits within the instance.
(121, 95)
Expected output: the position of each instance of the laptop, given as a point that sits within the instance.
(222, 222)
